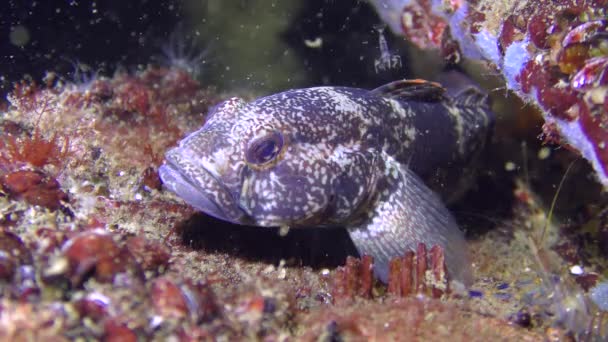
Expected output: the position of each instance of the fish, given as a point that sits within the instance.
(380, 163)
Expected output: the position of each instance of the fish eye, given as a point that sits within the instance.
(264, 149)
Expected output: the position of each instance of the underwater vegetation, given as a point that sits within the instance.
(92, 247)
(550, 53)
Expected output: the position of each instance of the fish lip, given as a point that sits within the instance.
(182, 185)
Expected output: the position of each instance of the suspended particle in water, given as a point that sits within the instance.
(544, 153)
(314, 43)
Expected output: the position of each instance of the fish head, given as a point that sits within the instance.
(251, 164)
(204, 168)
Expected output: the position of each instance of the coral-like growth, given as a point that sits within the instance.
(414, 273)
(354, 279)
(551, 53)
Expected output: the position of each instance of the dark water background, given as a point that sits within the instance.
(243, 43)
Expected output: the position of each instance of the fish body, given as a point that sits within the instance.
(339, 156)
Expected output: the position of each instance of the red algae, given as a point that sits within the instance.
(34, 187)
(34, 151)
(539, 30)
(510, 32)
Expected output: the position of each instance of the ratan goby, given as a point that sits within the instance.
(374, 162)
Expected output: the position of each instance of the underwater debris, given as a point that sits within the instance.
(551, 53)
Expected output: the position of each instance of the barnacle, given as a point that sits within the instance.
(550, 53)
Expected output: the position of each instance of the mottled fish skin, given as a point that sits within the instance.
(338, 156)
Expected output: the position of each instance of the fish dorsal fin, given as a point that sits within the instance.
(472, 97)
(412, 90)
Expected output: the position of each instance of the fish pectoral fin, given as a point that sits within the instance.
(412, 90)
(406, 212)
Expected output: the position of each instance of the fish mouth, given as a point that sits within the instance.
(199, 191)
